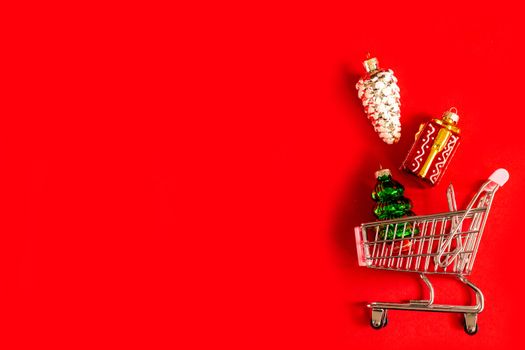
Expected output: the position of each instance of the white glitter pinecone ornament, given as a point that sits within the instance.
(380, 96)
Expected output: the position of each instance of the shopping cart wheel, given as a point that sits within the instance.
(470, 323)
(379, 318)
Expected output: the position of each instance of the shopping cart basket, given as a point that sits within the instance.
(444, 243)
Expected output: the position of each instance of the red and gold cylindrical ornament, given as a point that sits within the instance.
(435, 145)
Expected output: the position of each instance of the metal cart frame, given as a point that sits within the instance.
(445, 243)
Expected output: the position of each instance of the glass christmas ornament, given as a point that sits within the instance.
(435, 144)
(391, 204)
(379, 94)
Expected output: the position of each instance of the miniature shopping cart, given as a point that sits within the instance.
(444, 243)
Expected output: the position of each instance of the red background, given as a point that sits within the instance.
(189, 176)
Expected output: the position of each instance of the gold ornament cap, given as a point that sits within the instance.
(371, 65)
(451, 116)
(382, 172)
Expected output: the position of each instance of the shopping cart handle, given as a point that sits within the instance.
(500, 176)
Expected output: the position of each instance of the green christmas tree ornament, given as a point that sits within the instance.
(391, 204)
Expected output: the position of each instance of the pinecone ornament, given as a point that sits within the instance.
(379, 93)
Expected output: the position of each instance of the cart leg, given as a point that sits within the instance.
(480, 300)
(471, 318)
(430, 299)
(379, 318)
(471, 323)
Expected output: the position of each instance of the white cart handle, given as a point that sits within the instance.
(500, 176)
